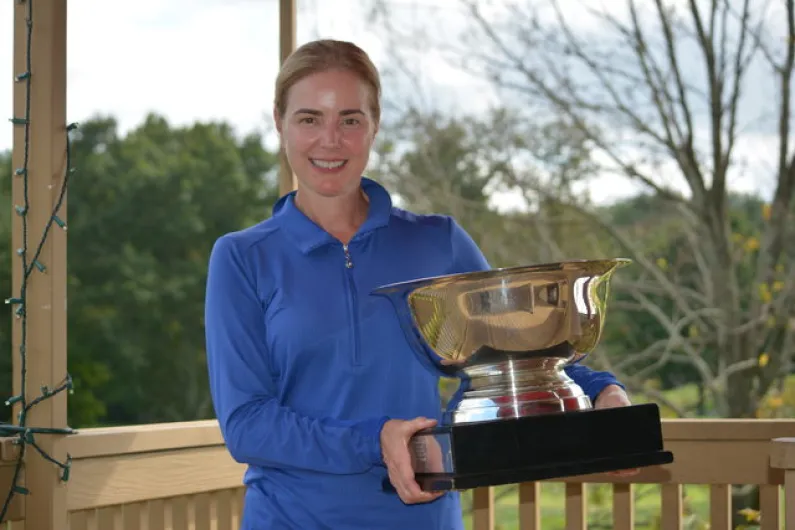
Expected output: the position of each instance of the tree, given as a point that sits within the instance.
(144, 211)
(663, 92)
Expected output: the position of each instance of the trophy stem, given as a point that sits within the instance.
(516, 388)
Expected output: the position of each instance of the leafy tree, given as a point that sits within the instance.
(144, 210)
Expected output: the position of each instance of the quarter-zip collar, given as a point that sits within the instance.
(308, 235)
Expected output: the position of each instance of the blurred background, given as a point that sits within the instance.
(656, 131)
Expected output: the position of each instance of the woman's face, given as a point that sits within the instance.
(327, 131)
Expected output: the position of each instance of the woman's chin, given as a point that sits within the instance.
(334, 185)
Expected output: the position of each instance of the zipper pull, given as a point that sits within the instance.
(348, 262)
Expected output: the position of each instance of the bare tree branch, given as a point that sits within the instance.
(547, 91)
(659, 85)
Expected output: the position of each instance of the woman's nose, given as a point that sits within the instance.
(331, 135)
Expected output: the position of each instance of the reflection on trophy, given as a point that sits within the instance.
(507, 335)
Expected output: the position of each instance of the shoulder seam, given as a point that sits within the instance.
(245, 249)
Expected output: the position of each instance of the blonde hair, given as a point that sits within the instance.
(323, 55)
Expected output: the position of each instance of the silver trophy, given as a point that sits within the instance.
(507, 335)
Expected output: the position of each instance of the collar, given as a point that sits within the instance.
(307, 235)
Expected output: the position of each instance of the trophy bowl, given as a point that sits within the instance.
(507, 335)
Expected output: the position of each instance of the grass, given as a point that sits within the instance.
(600, 513)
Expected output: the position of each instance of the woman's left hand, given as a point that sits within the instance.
(614, 396)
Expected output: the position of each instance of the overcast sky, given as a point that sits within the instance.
(187, 59)
(216, 59)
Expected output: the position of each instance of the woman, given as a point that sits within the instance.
(313, 383)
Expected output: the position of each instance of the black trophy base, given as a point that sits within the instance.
(543, 447)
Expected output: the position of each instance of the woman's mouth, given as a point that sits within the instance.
(328, 165)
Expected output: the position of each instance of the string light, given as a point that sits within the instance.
(23, 434)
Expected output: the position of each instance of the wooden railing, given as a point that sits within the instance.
(715, 454)
(171, 476)
(179, 476)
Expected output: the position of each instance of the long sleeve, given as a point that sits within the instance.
(256, 428)
(468, 257)
(591, 381)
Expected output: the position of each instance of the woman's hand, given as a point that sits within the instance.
(395, 437)
(614, 396)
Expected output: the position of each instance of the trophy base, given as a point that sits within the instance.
(547, 446)
(451, 481)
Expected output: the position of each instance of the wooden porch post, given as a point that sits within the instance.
(287, 40)
(39, 158)
(782, 456)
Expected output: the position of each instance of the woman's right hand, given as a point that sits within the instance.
(395, 437)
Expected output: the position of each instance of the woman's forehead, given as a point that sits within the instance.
(330, 91)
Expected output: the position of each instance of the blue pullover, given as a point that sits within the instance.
(306, 366)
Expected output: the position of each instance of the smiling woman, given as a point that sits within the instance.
(314, 382)
(327, 112)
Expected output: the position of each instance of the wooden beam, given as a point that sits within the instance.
(783, 457)
(287, 28)
(287, 44)
(16, 510)
(40, 146)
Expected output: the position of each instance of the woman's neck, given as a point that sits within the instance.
(339, 216)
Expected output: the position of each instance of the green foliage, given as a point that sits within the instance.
(780, 401)
(662, 234)
(143, 213)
